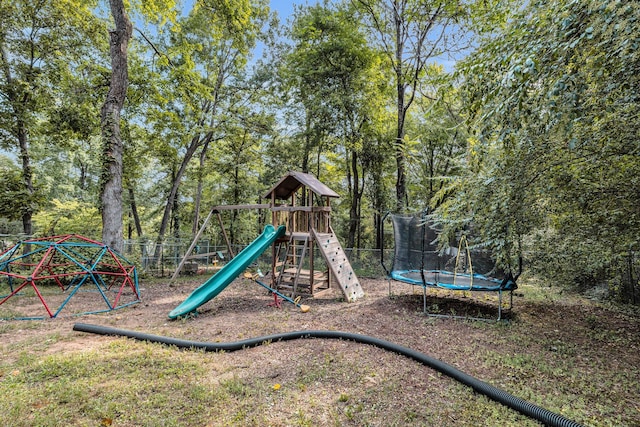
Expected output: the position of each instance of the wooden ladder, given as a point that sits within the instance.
(293, 261)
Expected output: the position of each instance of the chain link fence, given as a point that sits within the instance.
(208, 255)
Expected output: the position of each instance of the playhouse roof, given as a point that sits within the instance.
(291, 182)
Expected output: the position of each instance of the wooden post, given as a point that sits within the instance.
(274, 250)
(193, 245)
(224, 234)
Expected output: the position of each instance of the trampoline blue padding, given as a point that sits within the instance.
(452, 281)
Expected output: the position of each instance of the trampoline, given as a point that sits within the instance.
(418, 261)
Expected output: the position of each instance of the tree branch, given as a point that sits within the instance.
(155, 49)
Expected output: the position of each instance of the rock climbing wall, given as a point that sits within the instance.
(339, 265)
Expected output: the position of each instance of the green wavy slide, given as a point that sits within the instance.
(219, 281)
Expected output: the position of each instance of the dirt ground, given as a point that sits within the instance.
(573, 337)
(245, 309)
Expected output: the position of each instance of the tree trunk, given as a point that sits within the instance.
(354, 189)
(196, 141)
(359, 212)
(198, 201)
(134, 212)
(18, 105)
(378, 198)
(111, 197)
(175, 217)
(210, 108)
(201, 172)
(401, 186)
(307, 143)
(27, 175)
(136, 221)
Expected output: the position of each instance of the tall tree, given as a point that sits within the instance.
(208, 49)
(111, 194)
(335, 76)
(411, 33)
(157, 11)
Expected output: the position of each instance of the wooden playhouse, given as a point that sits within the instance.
(303, 204)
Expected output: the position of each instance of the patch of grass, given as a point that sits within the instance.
(129, 383)
(26, 325)
(302, 419)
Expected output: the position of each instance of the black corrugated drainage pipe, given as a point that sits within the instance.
(526, 408)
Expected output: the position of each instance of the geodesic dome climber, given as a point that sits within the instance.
(70, 271)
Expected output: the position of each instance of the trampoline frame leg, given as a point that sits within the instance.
(424, 299)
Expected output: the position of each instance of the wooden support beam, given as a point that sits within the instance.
(193, 245)
(238, 207)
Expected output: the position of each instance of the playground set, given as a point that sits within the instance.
(72, 263)
(300, 208)
(418, 261)
(65, 271)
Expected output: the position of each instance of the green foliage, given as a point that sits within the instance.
(411, 34)
(15, 199)
(553, 99)
(336, 85)
(436, 141)
(69, 217)
(40, 41)
(327, 72)
(42, 45)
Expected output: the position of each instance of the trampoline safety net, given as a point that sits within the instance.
(418, 260)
